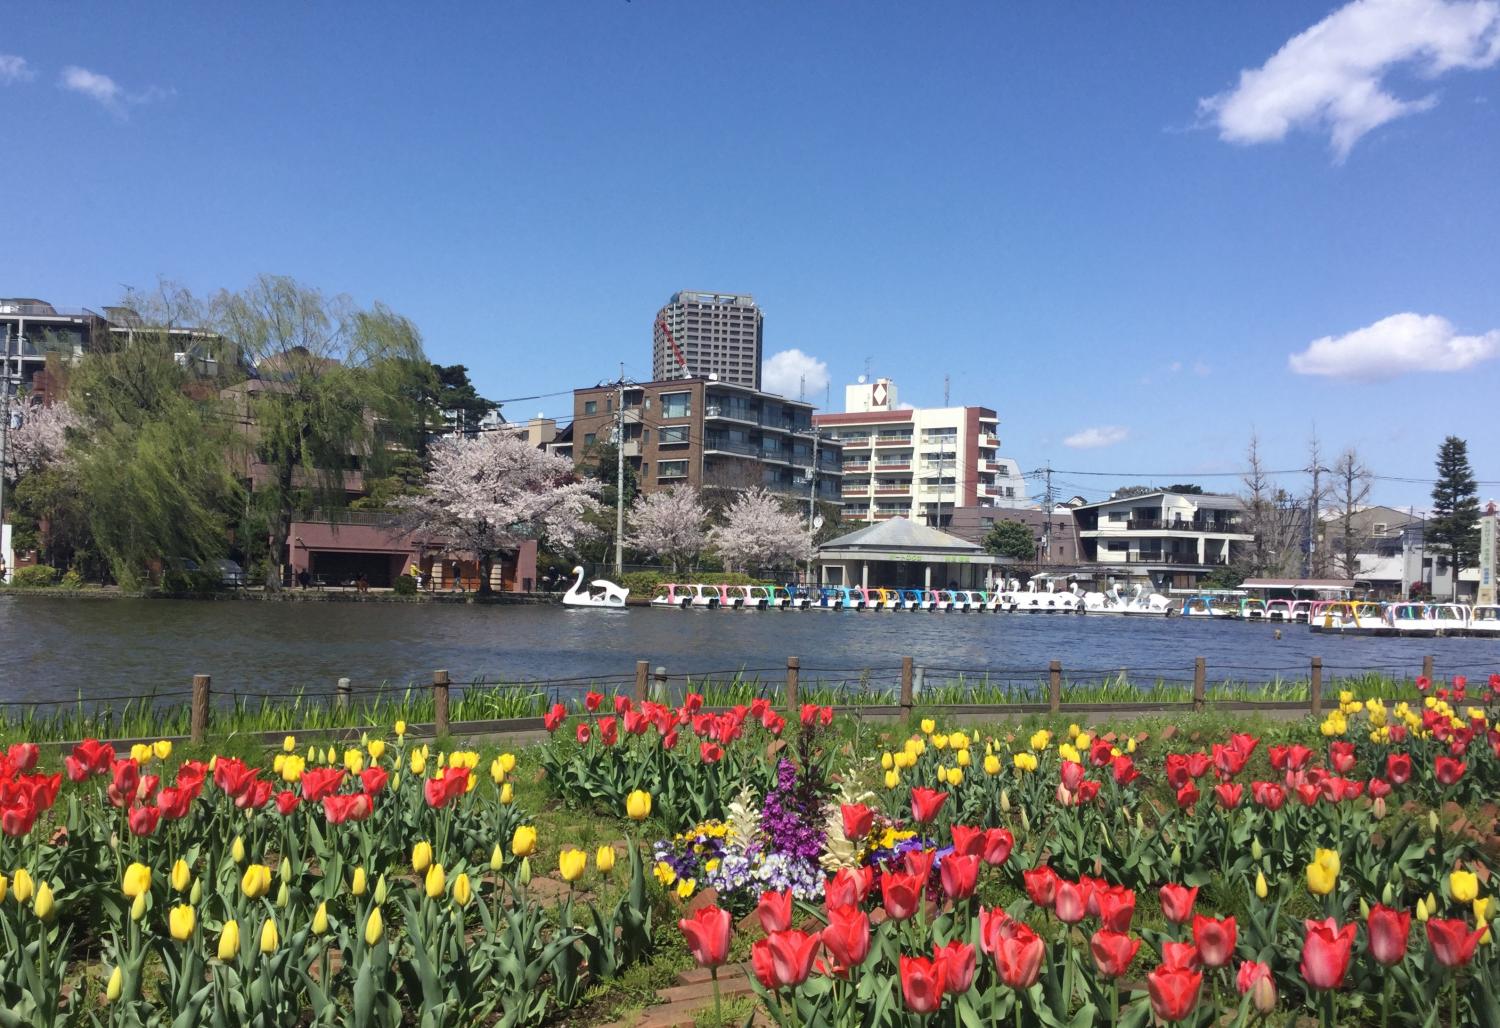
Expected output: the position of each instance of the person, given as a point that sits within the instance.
(303, 578)
(362, 583)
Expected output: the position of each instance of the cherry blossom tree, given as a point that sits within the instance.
(484, 496)
(758, 533)
(40, 441)
(668, 525)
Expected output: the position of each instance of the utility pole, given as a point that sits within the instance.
(620, 473)
(812, 493)
(1047, 504)
(4, 429)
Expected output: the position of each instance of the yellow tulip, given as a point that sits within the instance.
(115, 985)
(497, 773)
(942, 775)
(928, 726)
(358, 885)
(421, 856)
(963, 758)
(497, 858)
(892, 779)
(320, 920)
(380, 890)
(604, 859)
(461, 889)
(638, 805)
(1041, 740)
(523, 842)
(470, 782)
(507, 762)
(138, 907)
(376, 748)
(289, 744)
(256, 881)
(140, 752)
(182, 875)
(1422, 910)
(955, 776)
(162, 748)
(181, 921)
(436, 882)
(1261, 889)
(400, 729)
(1067, 752)
(354, 761)
(4, 887)
(42, 907)
(991, 764)
(291, 768)
(137, 881)
(507, 794)
(1024, 761)
(375, 926)
(1463, 886)
(685, 887)
(939, 742)
(887, 761)
(229, 941)
(1323, 872)
(269, 937)
(571, 863)
(237, 850)
(418, 762)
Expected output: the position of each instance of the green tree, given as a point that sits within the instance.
(331, 398)
(454, 393)
(1010, 539)
(1187, 488)
(1454, 526)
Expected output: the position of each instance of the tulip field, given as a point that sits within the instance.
(1339, 872)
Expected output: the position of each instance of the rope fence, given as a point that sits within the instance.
(906, 686)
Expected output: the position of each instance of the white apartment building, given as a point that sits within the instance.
(1171, 539)
(918, 463)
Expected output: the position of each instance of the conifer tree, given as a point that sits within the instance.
(1454, 526)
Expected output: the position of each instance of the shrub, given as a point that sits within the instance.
(35, 576)
(406, 585)
(71, 579)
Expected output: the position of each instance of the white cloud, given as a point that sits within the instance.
(1330, 77)
(106, 90)
(1093, 438)
(15, 69)
(1394, 346)
(793, 373)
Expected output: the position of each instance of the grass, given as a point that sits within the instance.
(168, 714)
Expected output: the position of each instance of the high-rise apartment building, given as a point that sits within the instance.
(918, 463)
(698, 335)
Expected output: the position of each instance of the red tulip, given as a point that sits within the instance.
(1341, 756)
(762, 964)
(1018, 954)
(340, 809)
(1268, 795)
(1116, 907)
(1177, 902)
(968, 840)
(921, 983)
(1071, 775)
(958, 962)
(925, 803)
(1250, 972)
(998, 842)
(919, 863)
(1101, 752)
(1041, 885)
(710, 752)
(858, 820)
(1452, 942)
(775, 911)
(90, 757)
(792, 954)
(847, 937)
(1124, 770)
(901, 893)
(1325, 953)
(1229, 794)
(991, 920)
(1378, 788)
(1308, 793)
(23, 756)
(582, 733)
(319, 782)
(959, 875)
(1174, 992)
(126, 777)
(373, 779)
(1244, 743)
(554, 717)
(1448, 770)
(849, 887)
(707, 935)
(1228, 761)
(143, 820)
(439, 792)
(1389, 931)
(1071, 901)
(693, 702)
(1180, 954)
(1215, 940)
(286, 802)
(1187, 796)
(174, 803)
(591, 700)
(1113, 952)
(609, 730)
(254, 796)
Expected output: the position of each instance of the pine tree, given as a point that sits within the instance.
(1454, 527)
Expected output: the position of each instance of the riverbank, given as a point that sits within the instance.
(294, 595)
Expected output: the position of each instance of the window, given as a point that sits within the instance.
(588, 440)
(1380, 527)
(671, 469)
(645, 436)
(1117, 547)
(672, 435)
(676, 405)
(1119, 515)
(591, 406)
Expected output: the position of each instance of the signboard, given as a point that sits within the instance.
(1489, 559)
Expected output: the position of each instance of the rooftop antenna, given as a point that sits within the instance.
(802, 389)
(945, 390)
(867, 370)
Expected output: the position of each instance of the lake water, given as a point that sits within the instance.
(55, 648)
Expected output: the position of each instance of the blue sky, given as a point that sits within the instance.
(1035, 200)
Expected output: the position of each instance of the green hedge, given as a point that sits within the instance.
(34, 576)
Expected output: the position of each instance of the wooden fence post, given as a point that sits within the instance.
(1200, 673)
(1427, 667)
(1054, 686)
(1315, 687)
(906, 697)
(659, 685)
(199, 719)
(440, 703)
(793, 670)
(642, 676)
(341, 694)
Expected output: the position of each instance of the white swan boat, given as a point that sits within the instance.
(1046, 600)
(600, 593)
(1138, 604)
(1484, 620)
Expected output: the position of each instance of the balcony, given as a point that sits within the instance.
(893, 440)
(726, 446)
(885, 465)
(989, 440)
(855, 465)
(892, 490)
(856, 442)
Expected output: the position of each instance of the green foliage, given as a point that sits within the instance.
(405, 585)
(1010, 539)
(71, 579)
(1186, 487)
(34, 577)
(1228, 577)
(1454, 525)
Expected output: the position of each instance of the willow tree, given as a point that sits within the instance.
(149, 447)
(331, 397)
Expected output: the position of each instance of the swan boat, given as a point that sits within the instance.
(600, 593)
